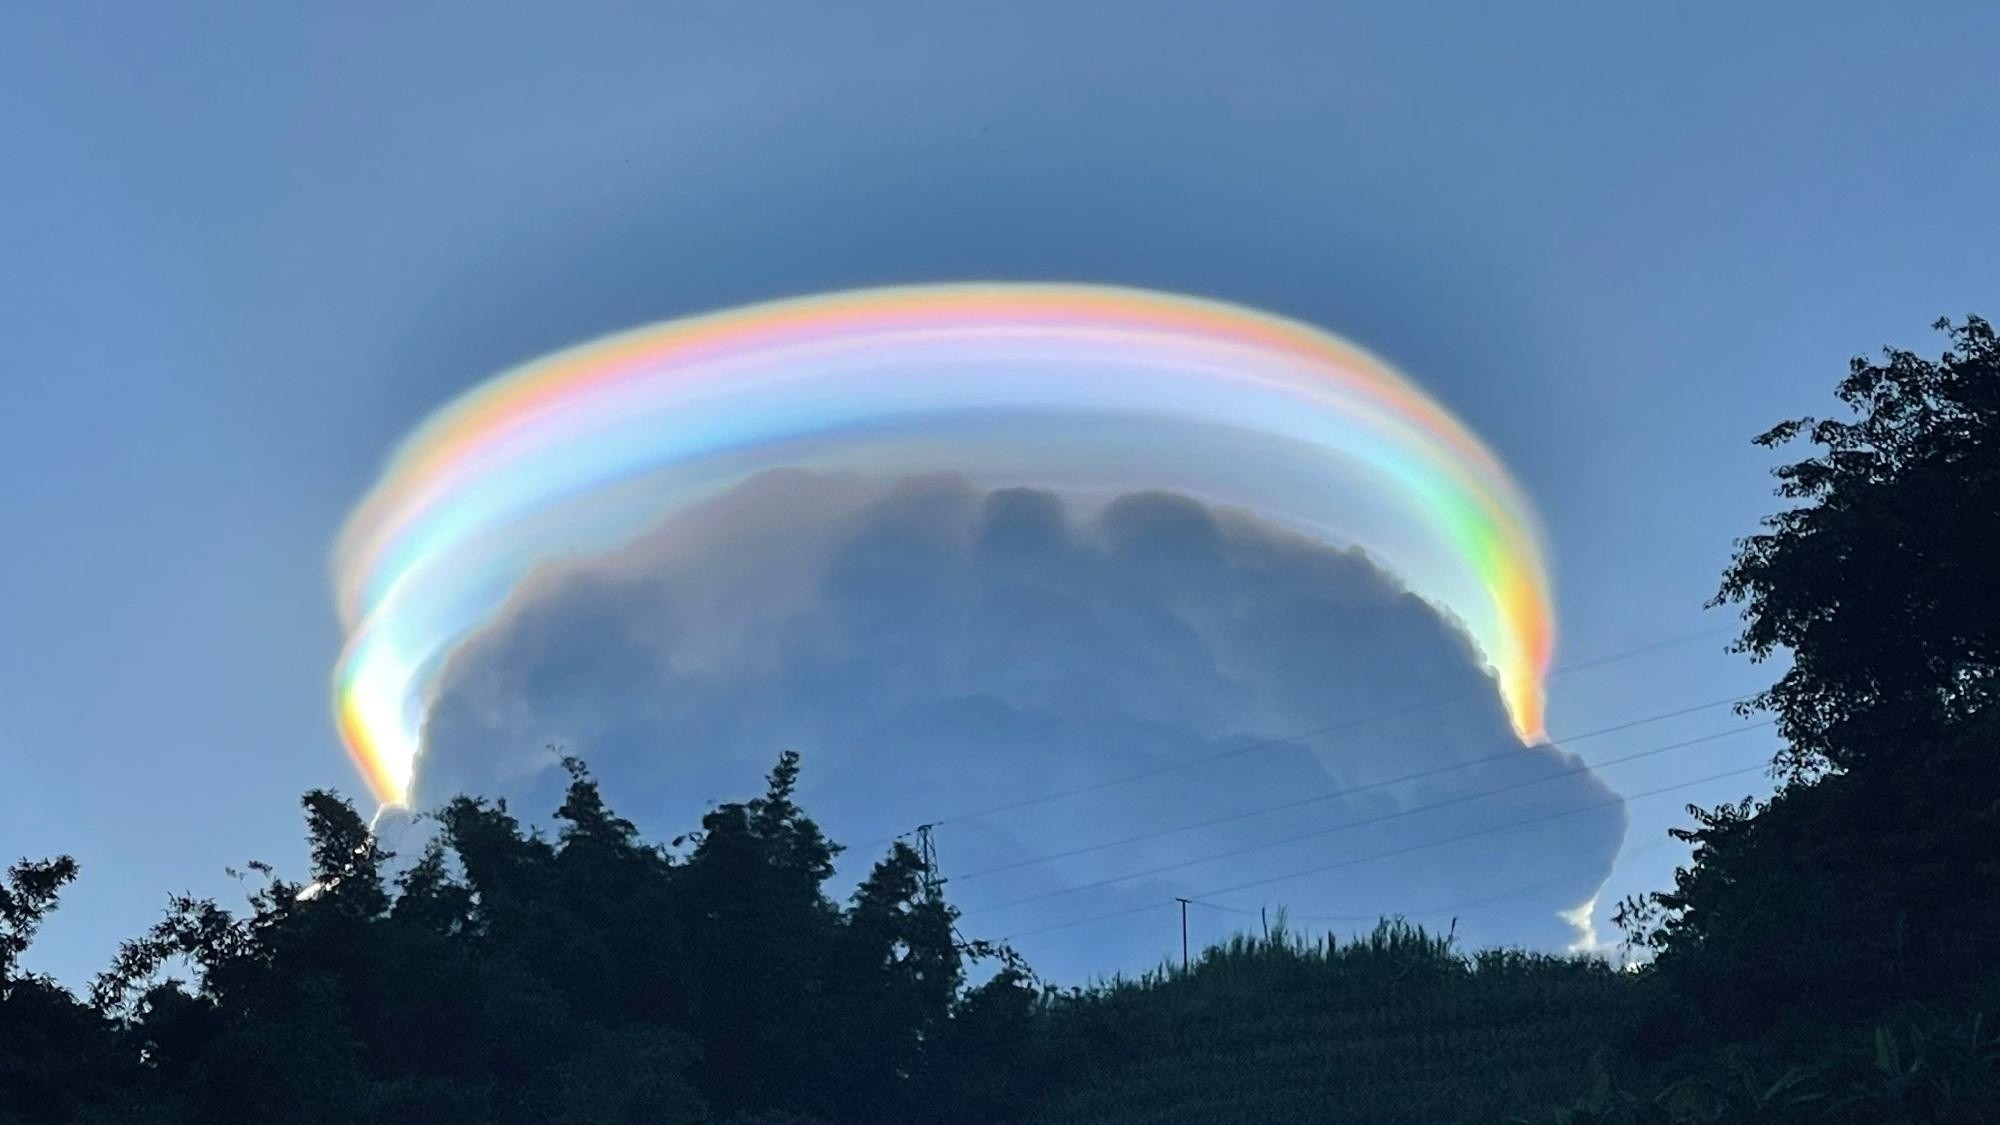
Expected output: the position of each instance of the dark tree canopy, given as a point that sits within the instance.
(1880, 585)
(1875, 871)
(27, 894)
(506, 975)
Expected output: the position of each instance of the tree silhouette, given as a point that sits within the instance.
(509, 974)
(27, 895)
(1867, 875)
(1880, 586)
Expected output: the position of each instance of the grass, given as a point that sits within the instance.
(1396, 1026)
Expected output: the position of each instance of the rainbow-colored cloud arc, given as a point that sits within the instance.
(1081, 386)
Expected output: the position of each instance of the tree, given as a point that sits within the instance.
(26, 896)
(1875, 871)
(519, 976)
(1880, 585)
(57, 1056)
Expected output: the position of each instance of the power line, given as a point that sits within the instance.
(1263, 810)
(1456, 907)
(1486, 831)
(1400, 813)
(1265, 744)
(1383, 855)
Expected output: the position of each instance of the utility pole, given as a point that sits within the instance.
(930, 886)
(927, 854)
(1184, 947)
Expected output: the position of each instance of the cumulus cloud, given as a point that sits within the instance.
(935, 648)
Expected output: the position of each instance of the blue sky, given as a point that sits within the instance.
(245, 247)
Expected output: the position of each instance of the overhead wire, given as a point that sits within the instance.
(1263, 810)
(1265, 744)
(1367, 821)
(1355, 861)
(1454, 907)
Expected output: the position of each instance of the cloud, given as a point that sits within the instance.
(935, 649)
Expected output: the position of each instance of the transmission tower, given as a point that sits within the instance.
(932, 881)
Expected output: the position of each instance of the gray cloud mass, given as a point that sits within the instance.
(933, 648)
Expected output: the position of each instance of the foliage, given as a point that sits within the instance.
(1917, 1066)
(27, 895)
(56, 1055)
(1860, 882)
(1879, 586)
(507, 976)
(1394, 1026)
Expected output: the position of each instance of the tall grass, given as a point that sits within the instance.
(1392, 1026)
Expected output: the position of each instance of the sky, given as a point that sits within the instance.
(246, 248)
